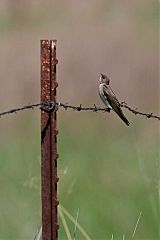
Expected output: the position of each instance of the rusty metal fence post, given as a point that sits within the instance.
(49, 141)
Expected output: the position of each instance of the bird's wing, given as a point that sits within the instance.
(113, 101)
(111, 97)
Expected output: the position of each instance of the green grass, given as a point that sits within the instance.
(106, 181)
(107, 172)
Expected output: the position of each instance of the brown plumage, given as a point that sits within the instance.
(109, 98)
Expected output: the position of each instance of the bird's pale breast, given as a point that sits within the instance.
(103, 97)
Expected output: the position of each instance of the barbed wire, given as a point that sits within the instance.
(15, 110)
(96, 109)
(136, 112)
(49, 106)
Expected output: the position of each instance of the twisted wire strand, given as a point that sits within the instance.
(49, 106)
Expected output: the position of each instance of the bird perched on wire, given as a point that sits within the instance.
(109, 98)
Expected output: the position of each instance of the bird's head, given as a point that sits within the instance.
(104, 79)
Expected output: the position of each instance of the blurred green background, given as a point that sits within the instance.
(107, 170)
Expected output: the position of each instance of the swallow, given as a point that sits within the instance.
(109, 98)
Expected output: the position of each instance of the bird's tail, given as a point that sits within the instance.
(126, 120)
(121, 115)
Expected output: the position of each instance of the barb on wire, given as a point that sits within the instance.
(49, 106)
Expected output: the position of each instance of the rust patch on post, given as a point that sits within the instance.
(49, 142)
